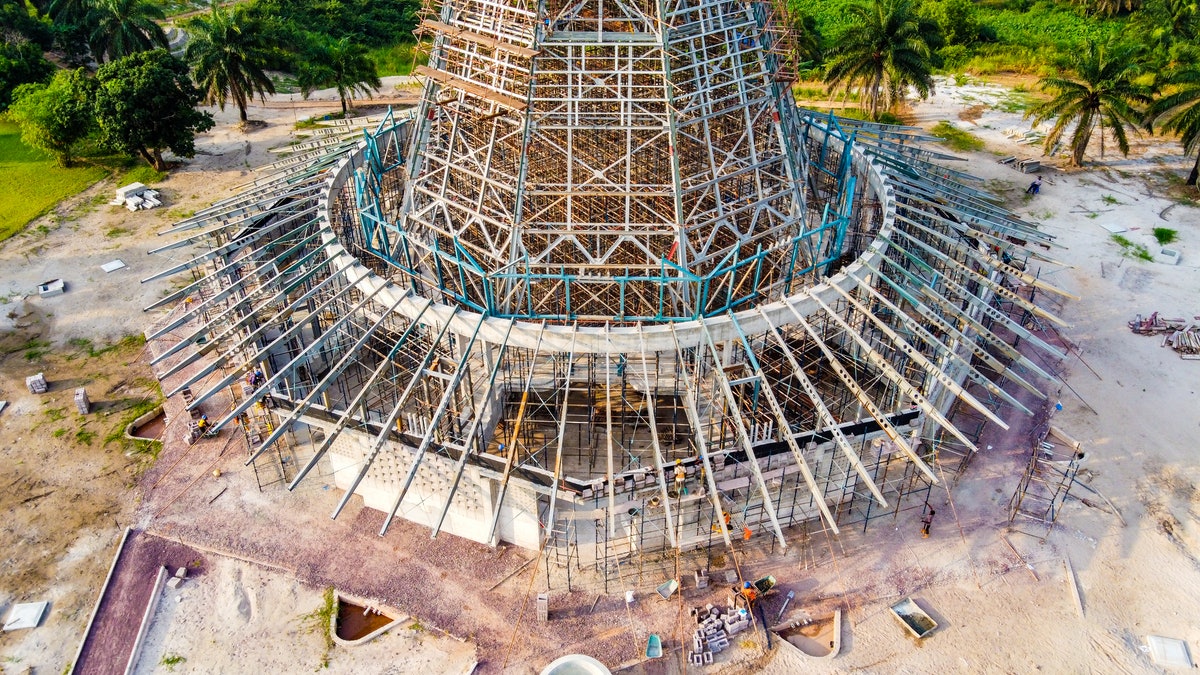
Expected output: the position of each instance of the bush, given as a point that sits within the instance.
(957, 139)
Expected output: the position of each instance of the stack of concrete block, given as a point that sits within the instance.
(543, 607)
(82, 404)
(37, 383)
(701, 578)
(711, 631)
(736, 622)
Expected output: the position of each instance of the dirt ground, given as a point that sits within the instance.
(1130, 402)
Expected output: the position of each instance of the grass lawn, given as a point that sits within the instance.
(33, 181)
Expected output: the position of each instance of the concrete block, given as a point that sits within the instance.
(82, 404)
(49, 289)
(181, 573)
(708, 658)
(543, 607)
(37, 383)
(696, 658)
(731, 576)
(174, 582)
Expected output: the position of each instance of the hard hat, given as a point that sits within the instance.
(679, 461)
(746, 585)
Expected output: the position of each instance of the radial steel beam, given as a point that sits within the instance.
(938, 346)
(476, 420)
(386, 428)
(661, 470)
(960, 336)
(844, 374)
(350, 357)
(785, 428)
(894, 375)
(697, 425)
(512, 443)
(562, 436)
(432, 425)
(354, 405)
(740, 424)
(827, 418)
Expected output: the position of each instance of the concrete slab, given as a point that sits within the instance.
(113, 266)
(1114, 228)
(1164, 651)
(26, 615)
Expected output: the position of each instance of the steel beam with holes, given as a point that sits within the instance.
(785, 427)
(226, 269)
(693, 411)
(827, 418)
(844, 374)
(227, 247)
(432, 425)
(609, 478)
(974, 375)
(658, 459)
(354, 405)
(894, 375)
(473, 430)
(562, 435)
(739, 424)
(255, 334)
(971, 342)
(386, 430)
(512, 442)
(303, 356)
(241, 303)
(350, 357)
(977, 302)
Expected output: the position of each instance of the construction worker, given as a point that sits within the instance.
(749, 592)
(202, 423)
(680, 476)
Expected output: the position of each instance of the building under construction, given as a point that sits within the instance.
(607, 290)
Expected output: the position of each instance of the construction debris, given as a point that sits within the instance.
(49, 289)
(136, 196)
(1179, 334)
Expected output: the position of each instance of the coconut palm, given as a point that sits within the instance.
(340, 64)
(229, 56)
(123, 27)
(1179, 111)
(886, 50)
(1098, 90)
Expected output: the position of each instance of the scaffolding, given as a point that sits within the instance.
(608, 294)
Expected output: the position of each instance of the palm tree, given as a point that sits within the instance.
(122, 27)
(229, 56)
(1179, 111)
(340, 64)
(886, 50)
(1099, 90)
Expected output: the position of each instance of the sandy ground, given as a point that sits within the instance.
(243, 618)
(1135, 415)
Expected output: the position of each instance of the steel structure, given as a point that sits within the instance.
(607, 290)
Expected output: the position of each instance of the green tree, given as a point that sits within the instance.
(57, 116)
(146, 103)
(1178, 111)
(123, 27)
(887, 49)
(21, 62)
(1098, 91)
(804, 35)
(340, 64)
(956, 19)
(229, 53)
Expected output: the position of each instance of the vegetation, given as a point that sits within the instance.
(885, 51)
(1165, 235)
(320, 621)
(342, 65)
(957, 139)
(120, 28)
(1179, 110)
(229, 54)
(1132, 250)
(57, 117)
(146, 103)
(1098, 91)
(34, 181)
